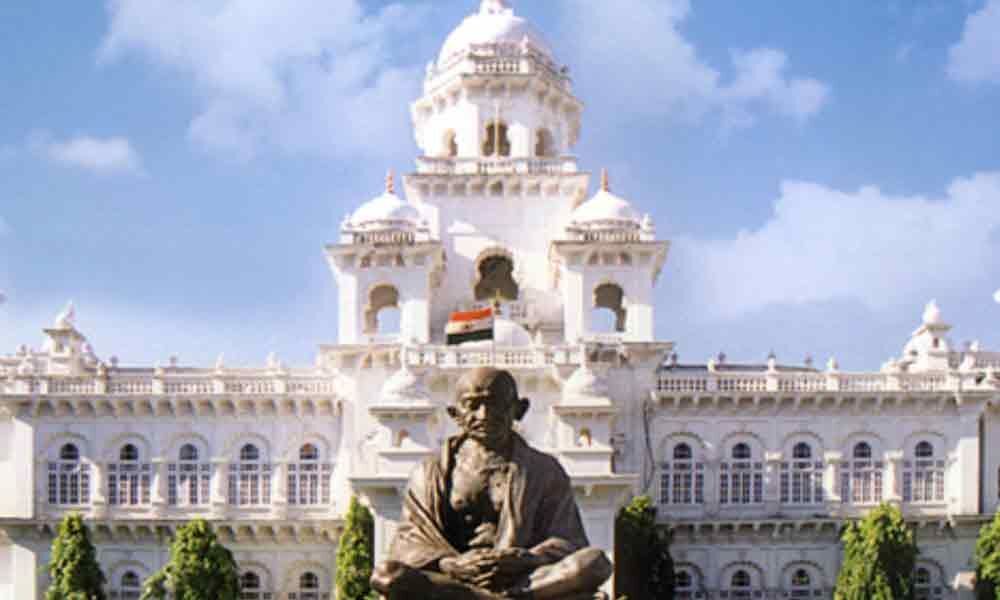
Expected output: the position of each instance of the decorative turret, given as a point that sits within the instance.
(608, 262)
(929, 348)
(386, 265)
(496, 92)
(66, 348)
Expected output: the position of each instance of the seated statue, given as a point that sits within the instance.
(490, 518)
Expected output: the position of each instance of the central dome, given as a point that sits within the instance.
(495, 23)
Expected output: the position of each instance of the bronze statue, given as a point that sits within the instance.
(490, 517)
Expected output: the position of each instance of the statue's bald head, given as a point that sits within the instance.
(494, 388)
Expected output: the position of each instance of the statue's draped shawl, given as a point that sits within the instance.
(539, 511)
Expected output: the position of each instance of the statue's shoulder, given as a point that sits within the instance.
(543, 461)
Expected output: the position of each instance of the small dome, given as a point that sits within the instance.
(495, 23)
(585, 386)
(606, 210)
(387, 211)
(932, 314)
(405, 387)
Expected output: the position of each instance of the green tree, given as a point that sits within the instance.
(200, 568)
(644, 569)
(355, 555)
(987, 560)
(880, 553)
(74, 570)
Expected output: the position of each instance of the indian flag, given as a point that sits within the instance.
(471, 326)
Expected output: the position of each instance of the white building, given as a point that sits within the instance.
(756, 467)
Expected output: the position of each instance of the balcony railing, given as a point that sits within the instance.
(681, 384)
(497, 166)
(208, 384)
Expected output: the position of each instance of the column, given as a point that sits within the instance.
(892, 487)
(967, 492)
(279, 489)
(99, 489)
(831, 480)
(772, 480)
(220, 487)
(159, 494)
(711, 487)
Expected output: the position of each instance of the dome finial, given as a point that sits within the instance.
(493, 7)
(390, 182)
(605, 181)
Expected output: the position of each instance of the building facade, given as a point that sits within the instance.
(755, 467)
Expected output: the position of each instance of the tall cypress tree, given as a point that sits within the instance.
(644, 568)
(987, 560)
(355, 555)
(880, 554)
(200, 568)
(74, 570)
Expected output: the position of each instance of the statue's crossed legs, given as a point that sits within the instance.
(576, 577)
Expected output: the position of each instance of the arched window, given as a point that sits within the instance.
(308, 588)
(683, 585)
(861, 480)
(250, 479)
(69, 478)
(802, 477)
(129, 479)
(189, 481)
(309, 479)
(925, 585)
(741, 479)
(495, 279)
(382, 316)
(496, 131)
(449, 147)
(609, 309)
(250, 587)
(129, 587)
(923, 476)
(545, 144)
(740, 585)
(682, 479)
(803, 585)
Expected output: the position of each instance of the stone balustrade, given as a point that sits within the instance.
(805, 383)
(497, 166)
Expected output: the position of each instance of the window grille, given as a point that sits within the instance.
(189, 482)
(129, 480)
(923, 477)
(741, 480)
(309, 479)
(68, 478)
(861, 481)
(802, 477)
(250, 479)
(682, 480)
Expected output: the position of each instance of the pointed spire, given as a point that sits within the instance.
(67, 318)
(605, 181)
(390, 182)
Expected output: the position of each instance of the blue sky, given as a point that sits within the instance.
(176, 166)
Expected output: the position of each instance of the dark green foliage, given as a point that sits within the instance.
(355, 555)
(74, 570)
(880, 555)
(987, 560)
(644, 569)
(200, 568)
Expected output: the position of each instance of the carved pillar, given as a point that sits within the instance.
(159, 492)
(892, 488)
(279, 489)
(99, 487)
(712, 486)
(831, 480)
(220, 487)
(772, 480)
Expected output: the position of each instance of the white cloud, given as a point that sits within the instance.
(306, 75)
(976, 56)
(101, 155)
(822, 244)
(638, 45)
